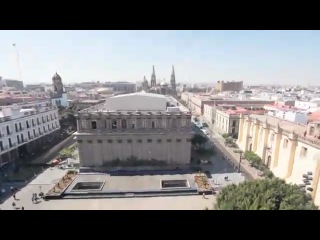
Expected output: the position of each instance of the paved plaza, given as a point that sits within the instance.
(130, 183)
(47, 179)
(216, 172)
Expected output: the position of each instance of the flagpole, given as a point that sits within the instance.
(18, 61)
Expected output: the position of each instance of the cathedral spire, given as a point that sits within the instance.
(173, 81)
(153, 81)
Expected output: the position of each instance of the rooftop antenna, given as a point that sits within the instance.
(18, 61)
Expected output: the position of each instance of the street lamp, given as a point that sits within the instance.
(240, 152)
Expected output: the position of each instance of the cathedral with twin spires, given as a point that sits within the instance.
(162, 87)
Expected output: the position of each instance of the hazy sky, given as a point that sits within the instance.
(256, 57)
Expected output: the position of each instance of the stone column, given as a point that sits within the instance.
(241, 126)
(292, 145)
(275, 149)
(255, 136)
(315, 182)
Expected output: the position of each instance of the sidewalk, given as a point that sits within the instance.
(218, 140)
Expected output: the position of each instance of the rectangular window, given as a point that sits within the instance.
(159, 140)
(149, 140)
(153, 124)
(168, 140)
(79, 141)
(234, 123)
(303, 152)
(94, 125)
(109, 140)
(178, 140)
(119, 141)
(139, 141)
(188, 140)
(100, 141)
(89, 141)
(129, 141)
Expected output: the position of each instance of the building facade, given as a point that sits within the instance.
(121, 87)
(139, 125)
(222, 86)
(16, 84)
(288, 149)
(22, 128)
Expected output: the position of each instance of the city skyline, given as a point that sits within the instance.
(255, 57)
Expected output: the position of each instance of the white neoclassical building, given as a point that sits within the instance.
(289, 149)
(24, 128)
(140, 125)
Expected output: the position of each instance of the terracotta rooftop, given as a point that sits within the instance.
(282, 107)
(315, 116)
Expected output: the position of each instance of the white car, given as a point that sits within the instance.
(205, 131)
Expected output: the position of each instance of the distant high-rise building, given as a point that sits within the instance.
(173, 81)
(233, 86)
(153, 82)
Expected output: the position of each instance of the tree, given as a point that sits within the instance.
(253, 158)
(265, 194)
(228, 140)
(66, 153)
(198, 139)
(225, 135)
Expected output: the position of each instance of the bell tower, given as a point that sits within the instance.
(57, 84)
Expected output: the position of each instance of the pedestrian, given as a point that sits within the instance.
(12, 190)
(15, 189)
(14, 196)
(22, 208)
(32, 199)
(13, 204)
(203, 195)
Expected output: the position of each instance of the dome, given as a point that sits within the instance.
(145, 80)
(163, 84)
(56, 76)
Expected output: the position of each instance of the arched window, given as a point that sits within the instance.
(174, 123)
(114, 124)
(123, 123)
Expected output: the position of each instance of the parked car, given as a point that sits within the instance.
(205, 131)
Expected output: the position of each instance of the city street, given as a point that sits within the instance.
(217, 142)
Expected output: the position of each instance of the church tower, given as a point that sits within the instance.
(153, 81)
(57, 84)
(173, 81)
